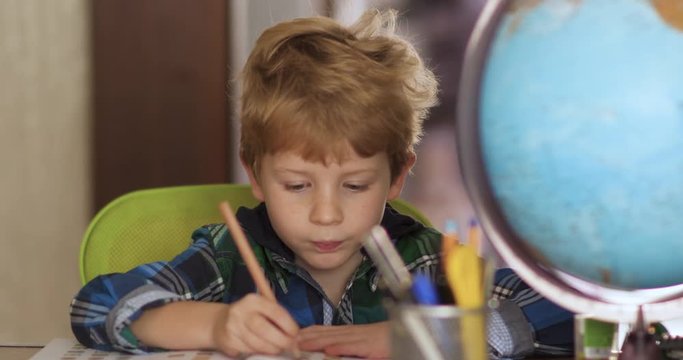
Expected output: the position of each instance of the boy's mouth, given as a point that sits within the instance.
(326, 246)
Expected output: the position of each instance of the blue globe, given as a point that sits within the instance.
(578, 129)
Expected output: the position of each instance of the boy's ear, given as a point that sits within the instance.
(255, 186)
(399, 181)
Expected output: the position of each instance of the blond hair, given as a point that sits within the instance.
(313, 86)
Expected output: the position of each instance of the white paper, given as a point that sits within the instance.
(69, 349)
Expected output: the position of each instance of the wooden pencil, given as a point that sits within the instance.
(473, 237)
(250, 259)
(245, 250)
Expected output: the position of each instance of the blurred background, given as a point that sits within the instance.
(99, 98)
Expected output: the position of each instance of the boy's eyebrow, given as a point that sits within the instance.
(286, 170)
(304, 172)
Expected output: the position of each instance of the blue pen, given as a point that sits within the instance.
(423, 290)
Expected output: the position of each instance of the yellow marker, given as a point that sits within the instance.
(449, 243)
(465, 277)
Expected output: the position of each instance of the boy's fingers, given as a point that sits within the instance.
(317, 331)
(232, 345)
(319, 343)
(309, 332)
(333, 346)
(259, 344)
(342, 349)
(345, 350)
(281, 318)
(245, 340)
(369, 341)
(358, 348)
(261, 325)
(268, 332)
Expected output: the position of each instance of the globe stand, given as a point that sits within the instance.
(639, 343)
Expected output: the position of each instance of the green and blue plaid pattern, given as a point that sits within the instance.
(211, 269)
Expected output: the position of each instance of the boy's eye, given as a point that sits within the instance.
(356, 187)
(295, 187)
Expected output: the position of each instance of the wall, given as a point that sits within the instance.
(160, 114)
(44, 142)
(46, 150)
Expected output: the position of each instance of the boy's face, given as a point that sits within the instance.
(323, 212)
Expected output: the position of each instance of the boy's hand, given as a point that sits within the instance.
(254, 325)
(368, 341)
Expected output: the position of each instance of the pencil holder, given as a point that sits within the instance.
(437, 332)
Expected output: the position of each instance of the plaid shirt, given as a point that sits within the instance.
(211, 269)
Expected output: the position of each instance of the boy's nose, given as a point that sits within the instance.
(326, 210)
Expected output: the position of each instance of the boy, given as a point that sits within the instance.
(330, 117)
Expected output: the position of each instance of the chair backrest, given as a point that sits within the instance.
(155, 225)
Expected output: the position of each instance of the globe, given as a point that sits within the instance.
(570, 133)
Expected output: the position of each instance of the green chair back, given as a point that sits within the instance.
(155, 224)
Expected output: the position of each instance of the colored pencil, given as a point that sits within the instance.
(250, 259)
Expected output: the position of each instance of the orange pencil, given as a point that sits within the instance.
(245, 250)
(473, 236)
(249, 258)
